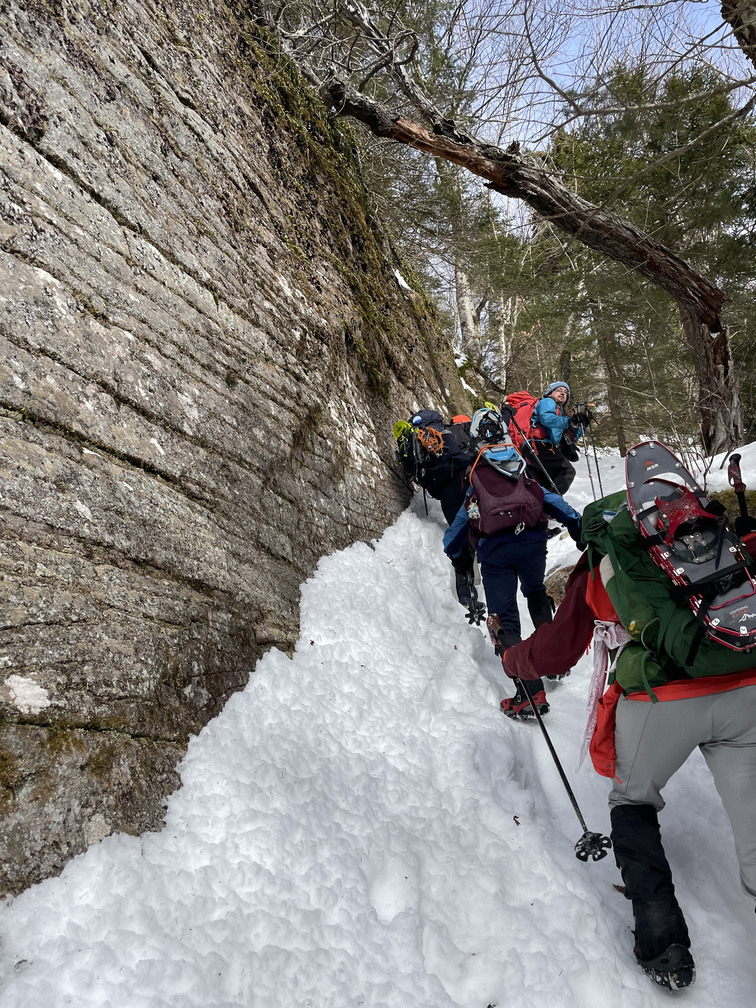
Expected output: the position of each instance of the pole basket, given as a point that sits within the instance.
(592, 845)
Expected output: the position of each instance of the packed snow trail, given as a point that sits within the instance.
(362, 827)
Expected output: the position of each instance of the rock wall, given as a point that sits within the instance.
(206, 338)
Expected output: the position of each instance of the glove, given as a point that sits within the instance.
(574, 530)
(580, 420)
(506, 413)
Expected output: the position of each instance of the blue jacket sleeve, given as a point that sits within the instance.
(555, 423)
(455, 536)
(556, 507)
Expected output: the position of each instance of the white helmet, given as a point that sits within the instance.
(487, 427)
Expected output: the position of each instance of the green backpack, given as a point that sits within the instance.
(667, 641)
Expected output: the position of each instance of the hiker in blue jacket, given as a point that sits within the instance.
(554, 432)
(511, 556)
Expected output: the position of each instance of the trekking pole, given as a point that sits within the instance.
(592, 419)
(588, 434)
(590, 845)
(743, 523)
(590, 475)
(507, 411)
(476, 610)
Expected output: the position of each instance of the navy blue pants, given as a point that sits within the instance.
(504, 565)
(452, 496)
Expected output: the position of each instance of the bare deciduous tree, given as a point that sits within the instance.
(362, 65)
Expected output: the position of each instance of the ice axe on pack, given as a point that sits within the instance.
(743, 523)
(590, 845)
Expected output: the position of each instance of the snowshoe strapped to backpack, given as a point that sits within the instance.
(668, 640)
(687, 537)
(487, 427)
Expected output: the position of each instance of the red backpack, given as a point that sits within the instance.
(523, 404)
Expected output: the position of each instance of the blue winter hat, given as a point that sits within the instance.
(556, 385)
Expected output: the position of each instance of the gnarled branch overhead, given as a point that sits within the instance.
(373, 46)
(513, 174)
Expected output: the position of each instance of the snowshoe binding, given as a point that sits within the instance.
(688, 539)
(673, 969)
(519, 706)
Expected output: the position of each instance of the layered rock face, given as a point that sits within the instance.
(205, 339)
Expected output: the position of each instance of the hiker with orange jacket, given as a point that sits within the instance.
(674, 690)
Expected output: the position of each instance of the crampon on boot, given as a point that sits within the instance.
(519, 706)
(673, 969)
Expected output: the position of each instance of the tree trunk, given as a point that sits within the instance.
(468, 326)
(615, 393)
(740, 15)
(507, 172)
(565, 357)
(718, 401)
(506, 323)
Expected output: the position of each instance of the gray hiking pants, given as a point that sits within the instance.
(653, 740)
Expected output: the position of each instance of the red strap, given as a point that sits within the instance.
(681, 689)
(597, 598)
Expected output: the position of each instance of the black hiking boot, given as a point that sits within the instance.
(673, 969)
(662, 942)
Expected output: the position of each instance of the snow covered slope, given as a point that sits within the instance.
(362, 827)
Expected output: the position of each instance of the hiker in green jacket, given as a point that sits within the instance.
(674, 690)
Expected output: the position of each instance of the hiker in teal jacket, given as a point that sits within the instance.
(553, 433)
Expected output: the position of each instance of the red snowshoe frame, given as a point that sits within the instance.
(692, 544)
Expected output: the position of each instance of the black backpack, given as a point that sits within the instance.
(429, 451)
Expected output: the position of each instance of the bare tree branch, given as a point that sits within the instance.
(514, 175)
